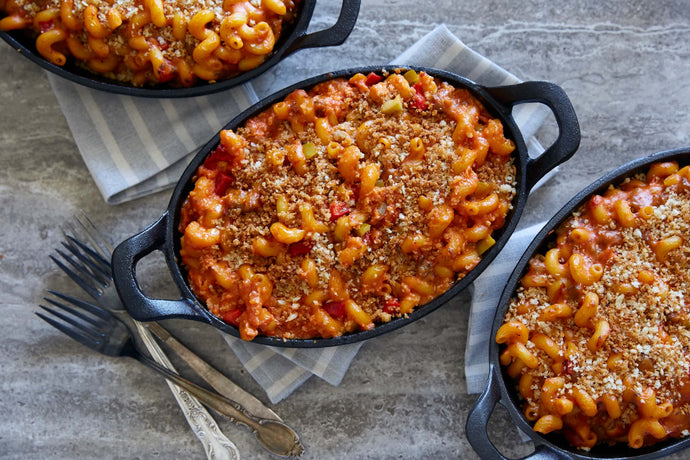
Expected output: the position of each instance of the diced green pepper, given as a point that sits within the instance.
(309, 150)
(411, 77)
(485, 244)
(393, 106)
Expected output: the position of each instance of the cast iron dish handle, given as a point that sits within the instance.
(555, 98)
(124, 261)
(333, 36)
(478, 420)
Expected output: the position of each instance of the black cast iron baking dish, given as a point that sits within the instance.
(501, 389)
(293, 38)
(163, 234)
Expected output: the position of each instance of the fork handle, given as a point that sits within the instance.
(274, 435)
(216, 445)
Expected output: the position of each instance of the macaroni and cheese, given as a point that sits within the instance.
(345, 206)
(597, 336)
(142, 42)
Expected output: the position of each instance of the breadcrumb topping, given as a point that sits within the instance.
(387, 225)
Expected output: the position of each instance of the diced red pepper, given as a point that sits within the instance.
(300, 248)
(338, 209)
(391, 306)
(165, 72)
(45, 25)
(232, 316)
(335, 308)
(211, 160)
(222, 153)
(223, 182)
(568, 367)
(219, 154)
(372, 79)
(355, 192)
(163, 46)
(419, 100)
(370, 237)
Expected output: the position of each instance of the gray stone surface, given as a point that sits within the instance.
(625, 65)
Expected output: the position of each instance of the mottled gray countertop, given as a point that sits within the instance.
(625, 64)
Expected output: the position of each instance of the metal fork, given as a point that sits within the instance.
(87, 262)
(101, 331)
(92, 261)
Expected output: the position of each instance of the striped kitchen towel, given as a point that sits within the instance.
(135, 146)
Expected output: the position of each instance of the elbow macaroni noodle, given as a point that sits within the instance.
(346, 209)
(598, 334)
(151, 42)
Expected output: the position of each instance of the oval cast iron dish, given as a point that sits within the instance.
(163, 233)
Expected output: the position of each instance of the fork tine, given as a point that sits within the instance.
(99, 237)
(95, 266)
(95, 237)
(81, 282)
(86, 306)
(69, 331)
(97, 257)
(79, 318)
(78, 331)
(83, 266)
